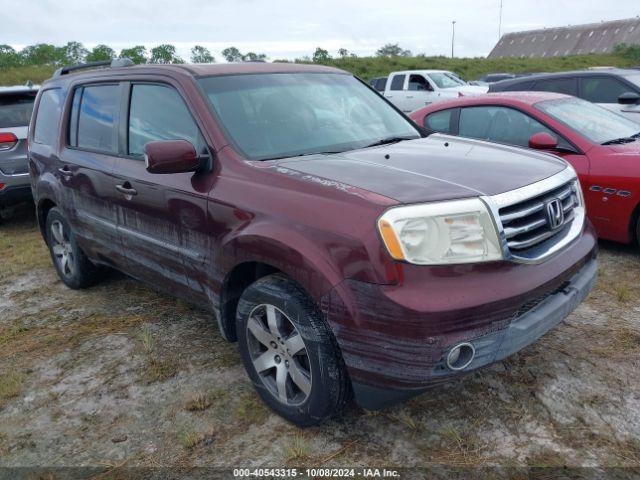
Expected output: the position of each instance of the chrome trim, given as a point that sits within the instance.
(565, 236)
(468, 362)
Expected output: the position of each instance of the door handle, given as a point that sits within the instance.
(409, 96)
(126, 189)
(65, 172)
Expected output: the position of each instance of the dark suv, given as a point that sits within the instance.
(16, 105)
(344, 248)
(615, 89)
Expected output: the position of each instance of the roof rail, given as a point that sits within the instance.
(116, 62)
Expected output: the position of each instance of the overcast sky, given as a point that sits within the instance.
(293, 28)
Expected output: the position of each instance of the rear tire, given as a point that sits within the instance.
(290, 353)
(74, 268)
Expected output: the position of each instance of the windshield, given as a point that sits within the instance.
(633, 78)
(445, 80)
(281, 114)
(591, 121)
(15, 110)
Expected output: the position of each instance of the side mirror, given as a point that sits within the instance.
(629, 98)
(171, 156)
(543, 141)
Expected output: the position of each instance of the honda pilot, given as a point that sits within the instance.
(346, 250)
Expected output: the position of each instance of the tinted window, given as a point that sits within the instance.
(418, 82)
(602, 89)
(501, 125)
(398, 82)
(158, 113)
(439, 121)
(381, 84)
(15, 109)
(558, 85)
(97, 118)
(48, 117)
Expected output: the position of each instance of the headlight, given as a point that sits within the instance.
(460, 231)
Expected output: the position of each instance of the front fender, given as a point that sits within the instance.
(307, 261)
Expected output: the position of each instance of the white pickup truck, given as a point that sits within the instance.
(413, 89)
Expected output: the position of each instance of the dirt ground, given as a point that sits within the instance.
(121, 376)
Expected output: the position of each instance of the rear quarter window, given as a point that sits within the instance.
(439, 121)
(48, 117)
(15, 109)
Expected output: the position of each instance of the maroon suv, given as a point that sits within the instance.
(343, 247)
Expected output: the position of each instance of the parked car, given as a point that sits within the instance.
(16, 105)
(353, 254)
(496, 77)
(413, 89)
(378, 83)
(603, 147)
(613, 88)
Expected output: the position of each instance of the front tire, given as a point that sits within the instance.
(290, 353)
(74, 268)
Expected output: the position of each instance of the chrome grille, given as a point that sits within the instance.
(526, 224)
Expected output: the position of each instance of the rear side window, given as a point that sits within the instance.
(502, 125)
(397, 83)
(439, 121)
(48, 117)
(15, 109)
(158, 112)
(558, 85)
(380, 84)
(602, 89)
(94, 118)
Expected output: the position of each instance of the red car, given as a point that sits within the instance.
(603, 147)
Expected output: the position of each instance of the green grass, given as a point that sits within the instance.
(20, 75)
(472, 68)
(370, 67)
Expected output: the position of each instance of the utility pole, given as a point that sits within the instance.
(453, 35)
(500, 22)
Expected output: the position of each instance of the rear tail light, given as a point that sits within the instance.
(7, 141)
(2, 185)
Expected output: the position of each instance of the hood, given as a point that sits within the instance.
(438, 167)
(632, 148)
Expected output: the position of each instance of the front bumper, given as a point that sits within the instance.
(395, 342)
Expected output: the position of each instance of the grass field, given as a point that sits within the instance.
(370, 67)
(119, 376)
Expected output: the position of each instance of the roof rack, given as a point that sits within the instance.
(116, 62)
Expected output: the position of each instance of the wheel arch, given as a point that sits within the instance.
(45, 204)
(251, 257)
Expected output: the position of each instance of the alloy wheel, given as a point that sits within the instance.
(62, 249)
(279, 354)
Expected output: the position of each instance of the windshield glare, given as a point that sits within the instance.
(15, 110)
(281, 114)
(444, 80)
(591, 121)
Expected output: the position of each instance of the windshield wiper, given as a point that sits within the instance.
(330, 152)
(387, 141)
(617, 141)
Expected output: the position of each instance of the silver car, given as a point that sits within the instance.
(16, 105)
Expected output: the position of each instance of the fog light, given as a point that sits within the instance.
(460, 356)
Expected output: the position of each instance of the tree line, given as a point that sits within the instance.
(75, 52)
